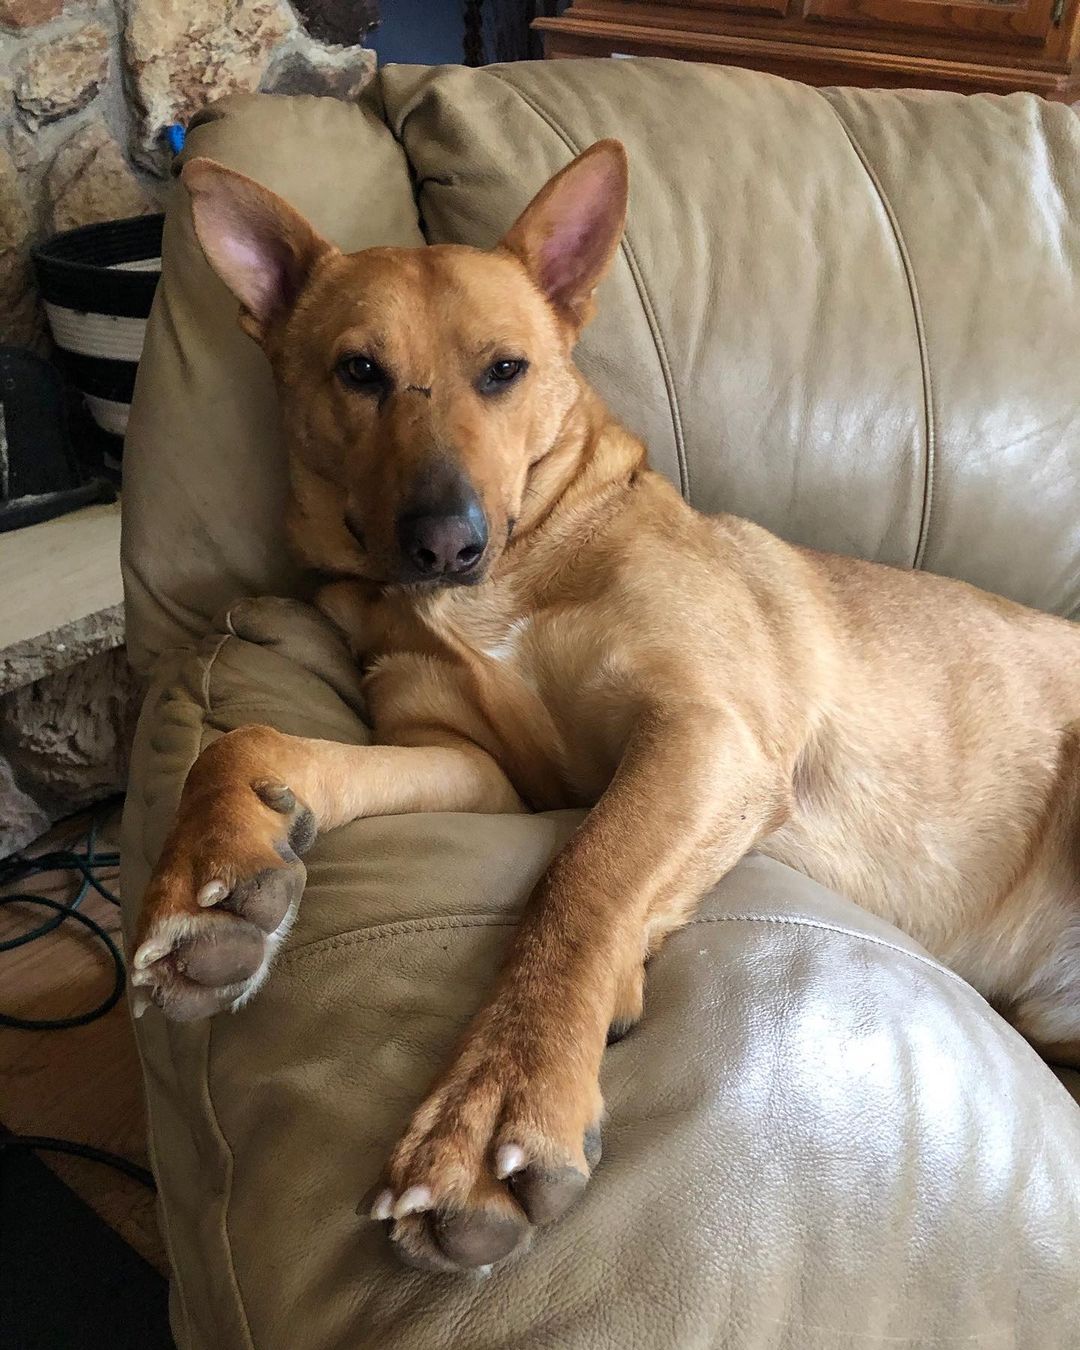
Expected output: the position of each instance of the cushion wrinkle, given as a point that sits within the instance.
(220, 725)
(920, 329)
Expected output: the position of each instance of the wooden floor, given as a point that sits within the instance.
(82, 1083)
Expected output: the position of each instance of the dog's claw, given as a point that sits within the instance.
(212, 894)
(152, 950)
(412, 1201)
(277, 796)
(509, 1158)
(383, 1207)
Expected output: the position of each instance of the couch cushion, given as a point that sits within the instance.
(204, 470)
(849, 315)
(817, 1136)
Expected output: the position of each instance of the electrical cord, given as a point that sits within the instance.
(46, 1143)
(67, 912)
(18, 869)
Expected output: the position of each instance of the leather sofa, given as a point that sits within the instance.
(851, 315)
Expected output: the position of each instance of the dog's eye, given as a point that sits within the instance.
(501, 373)
(361, 372)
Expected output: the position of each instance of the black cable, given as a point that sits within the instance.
(16, 869)
(46, 1143)
(19, 867)
(80, 1019)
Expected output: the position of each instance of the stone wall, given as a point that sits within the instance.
(64, 744)
(87, 87)
(86, 90)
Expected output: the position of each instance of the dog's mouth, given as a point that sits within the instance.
(443, 583)
(401, 579)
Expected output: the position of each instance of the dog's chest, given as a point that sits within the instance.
(543, 689)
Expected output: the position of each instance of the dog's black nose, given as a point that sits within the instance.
(444, 543)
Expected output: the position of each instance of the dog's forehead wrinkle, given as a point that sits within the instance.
(361, 336)
(438, 307)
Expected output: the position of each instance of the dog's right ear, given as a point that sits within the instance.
(568, 234)
(259, 246)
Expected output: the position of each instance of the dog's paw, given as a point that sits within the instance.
(193, 965)
(220, 903)
(490, 1156)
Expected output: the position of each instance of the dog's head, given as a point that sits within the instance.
(420, 386)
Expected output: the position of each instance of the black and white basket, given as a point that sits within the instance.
(98, 283)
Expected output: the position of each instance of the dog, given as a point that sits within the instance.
(545, 623)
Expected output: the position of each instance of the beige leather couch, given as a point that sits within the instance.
(853, 316)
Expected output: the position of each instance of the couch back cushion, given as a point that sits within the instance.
(852, 316)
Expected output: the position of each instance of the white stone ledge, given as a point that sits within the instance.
(61, 597)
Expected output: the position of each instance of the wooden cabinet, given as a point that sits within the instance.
(996, 45)
(980, 19)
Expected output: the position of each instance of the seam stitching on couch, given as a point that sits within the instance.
(231, 1167)
(163, 1215)
(227, 1196)
(835, 928)
(920, 332)
(403, 927)
(400, 928)
(205, 689)
(647, 307)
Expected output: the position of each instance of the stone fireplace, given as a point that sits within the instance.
(87, 88)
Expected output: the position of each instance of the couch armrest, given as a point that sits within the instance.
(817, 1137)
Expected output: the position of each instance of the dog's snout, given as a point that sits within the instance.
(444, 542)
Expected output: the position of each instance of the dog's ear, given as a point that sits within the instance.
(259, 246)
(568, 233)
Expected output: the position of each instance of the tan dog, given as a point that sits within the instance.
(546, 624)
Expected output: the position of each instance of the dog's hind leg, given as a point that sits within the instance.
(1043, 1002)
(1047, 1009)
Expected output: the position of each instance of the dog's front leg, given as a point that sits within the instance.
(508, 1135)
(229, 879)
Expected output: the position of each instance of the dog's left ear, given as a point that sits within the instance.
(569, 232)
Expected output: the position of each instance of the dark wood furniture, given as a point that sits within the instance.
(996, 45)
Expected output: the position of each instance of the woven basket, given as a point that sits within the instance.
(98, 283)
